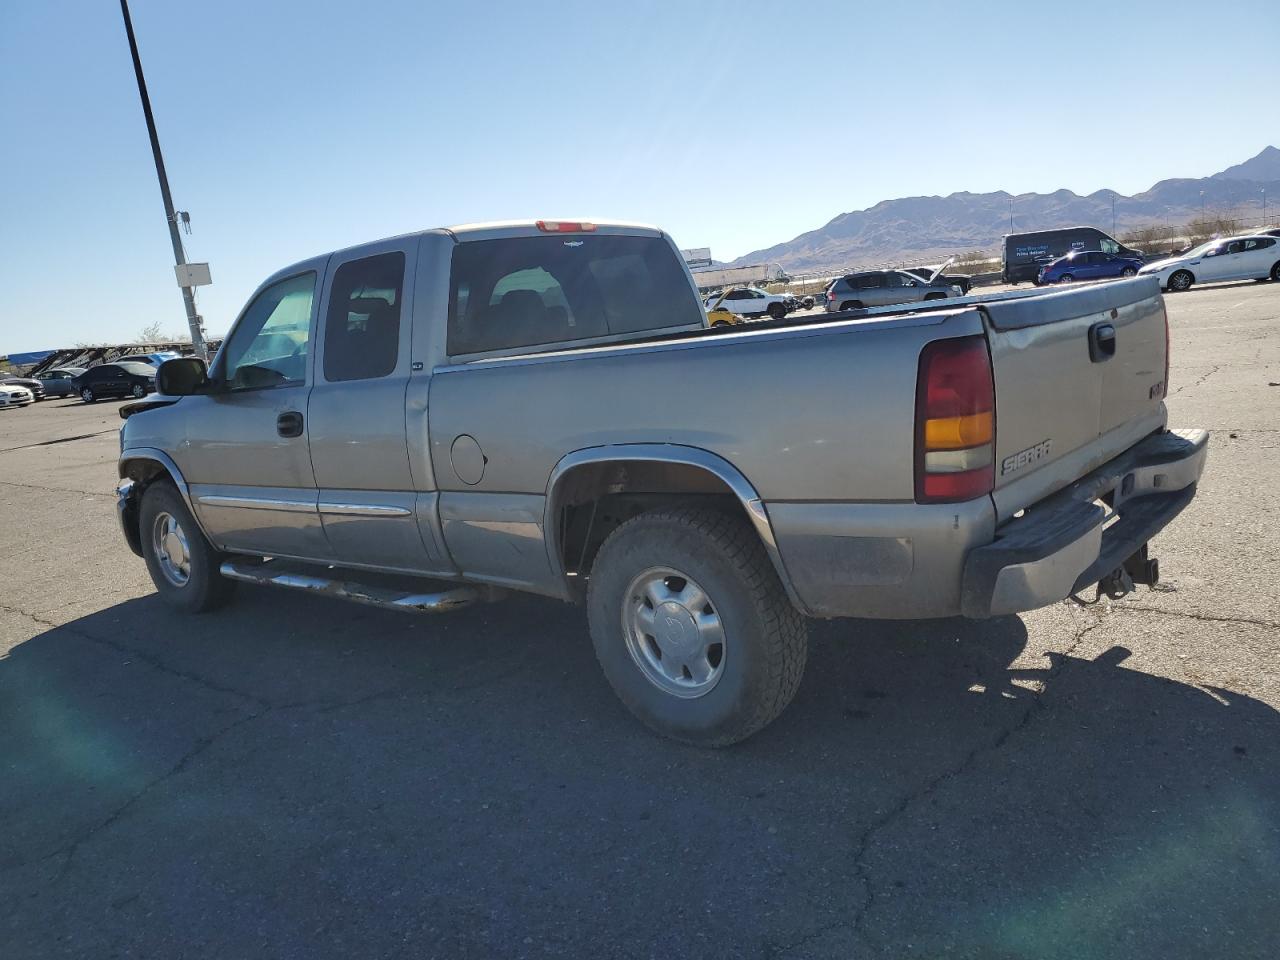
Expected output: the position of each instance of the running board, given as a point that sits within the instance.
(280, 574)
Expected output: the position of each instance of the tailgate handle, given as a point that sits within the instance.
(1102, 342)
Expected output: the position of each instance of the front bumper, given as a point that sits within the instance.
(1081, 534)
(127, 514)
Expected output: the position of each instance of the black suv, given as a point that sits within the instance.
(115, 380)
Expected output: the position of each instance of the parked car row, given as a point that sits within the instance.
(129, 376)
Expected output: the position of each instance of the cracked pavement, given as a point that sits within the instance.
(298, 777)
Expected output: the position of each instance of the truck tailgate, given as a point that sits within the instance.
(1079, 378)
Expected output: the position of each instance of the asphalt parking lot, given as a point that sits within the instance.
(297, 777)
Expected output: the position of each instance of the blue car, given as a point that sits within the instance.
(1089, 265)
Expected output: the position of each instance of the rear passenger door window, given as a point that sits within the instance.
(362, 327)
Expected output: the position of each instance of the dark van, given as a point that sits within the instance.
(1026, 253)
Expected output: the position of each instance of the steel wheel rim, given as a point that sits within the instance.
(674, 633)
(172, 552)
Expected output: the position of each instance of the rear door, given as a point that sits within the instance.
(1259, 256)
(368, 499)
(1079, 378)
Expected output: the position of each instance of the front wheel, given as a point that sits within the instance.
(1181, 280)
(777, 311)
(692, 627)
(87, 395)
(138, 391)
(1275, 272)
(182, 563)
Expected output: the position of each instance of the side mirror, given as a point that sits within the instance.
(182, 377)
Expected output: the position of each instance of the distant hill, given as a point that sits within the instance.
(920, 228)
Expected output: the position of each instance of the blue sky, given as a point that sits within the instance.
(294, 128)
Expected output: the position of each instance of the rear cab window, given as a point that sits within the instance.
(529, 291)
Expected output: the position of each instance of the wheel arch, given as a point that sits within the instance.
(143, 466)
(629, 476)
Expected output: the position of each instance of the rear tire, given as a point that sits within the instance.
(182, 563)
(1128, 272)
(851, 305)
(777, 311)
(1066, 278)
(935, 296)
(713, 672)
(1180, 280)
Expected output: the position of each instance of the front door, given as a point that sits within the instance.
(1221, 263)
(245, 457)
(370, 503)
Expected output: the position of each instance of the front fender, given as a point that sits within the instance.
(139, 465)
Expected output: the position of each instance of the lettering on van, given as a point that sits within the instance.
(1020, 459)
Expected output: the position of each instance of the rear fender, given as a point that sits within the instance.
(659, 453)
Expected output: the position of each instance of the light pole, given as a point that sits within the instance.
(1011, 214)
(179, 256)
(1264, 206)
(1201, 204)
(1113, 215)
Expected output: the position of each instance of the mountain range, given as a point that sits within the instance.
(914, 229)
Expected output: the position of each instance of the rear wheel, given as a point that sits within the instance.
(1066, 278)
(87, 395)
(182, 563)
(851, 305)
(692, 627)
(1128, 272)
(935, 296)
(1181, 280)
(777, 311)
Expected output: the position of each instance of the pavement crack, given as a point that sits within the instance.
(1058, 662)
(69, 849)
(1245, 621)
(43, 489)
(57, 440)
(152, 661)
(1198, 381)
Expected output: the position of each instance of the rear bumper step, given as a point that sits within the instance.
(340, 584)
(1071, 540)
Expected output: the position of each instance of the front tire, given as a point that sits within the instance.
(1275, 272)
(777, 311)
(182, 563)
(87, 395)
(138, 391)
(692, 627)
(1180, 280)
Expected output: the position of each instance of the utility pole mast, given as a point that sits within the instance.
(179, 255)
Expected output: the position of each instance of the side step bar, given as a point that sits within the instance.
(280, 574)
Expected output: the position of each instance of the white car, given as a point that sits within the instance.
(12, 397)
(751, 302)
(1226, 258)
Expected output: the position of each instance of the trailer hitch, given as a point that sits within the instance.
(1138, 568)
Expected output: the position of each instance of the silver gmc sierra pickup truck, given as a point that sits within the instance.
(431, 420)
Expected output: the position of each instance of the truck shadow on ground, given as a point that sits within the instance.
(295, 776)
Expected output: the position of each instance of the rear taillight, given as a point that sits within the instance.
(831, 295)
(955, 421)
(566, 226)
